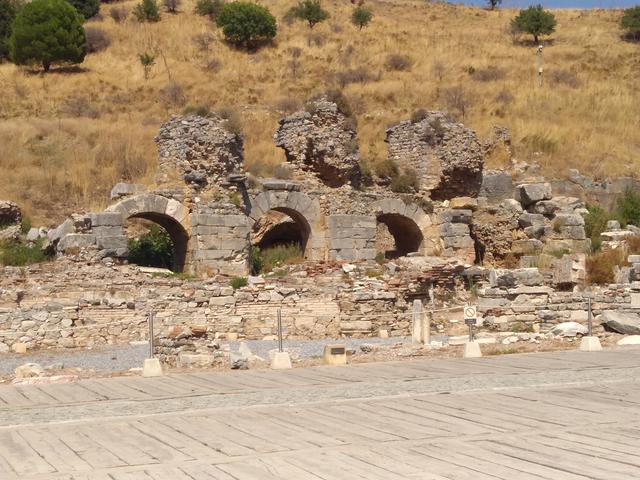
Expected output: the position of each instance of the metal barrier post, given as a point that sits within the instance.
(280, 349)
(151, 318)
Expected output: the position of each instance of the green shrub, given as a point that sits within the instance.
(16, 254)
(536, 21)
(246, 24)
(8, 11)
(25, 224)
(309, 11)
(238, 282)
(86, 8)
(209, 8)
(265, 260)
(152, 249)
(628, 209)
(386, 168)
(630, 22)
(361, 17)
(147, 11)
(47, 32)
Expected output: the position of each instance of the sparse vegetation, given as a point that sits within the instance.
(17, 254)
(265, 261)
(238, 282)
(397, 62)
(209, 8)
(592, 125)
(147, 11)
(47, 32)
(97, 39)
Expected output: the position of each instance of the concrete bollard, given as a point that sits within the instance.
(335, 354)
(590, 344)
(281, 361)
(152, 368)
(472, 350)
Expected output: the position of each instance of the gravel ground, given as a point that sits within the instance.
(124, 357)
(110, 359)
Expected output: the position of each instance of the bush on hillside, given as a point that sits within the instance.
(628, 209)
(209, 8)
(118, 14)
(47, 32)
(535, 21)
(361, 17)
(246, 24)
(398, 63)
(86, 8)
(97, 39)
(309, 11)
(152, 249)
(264, 261)
(630, 22)
(147, 11)
(493, 4)
(8, 11)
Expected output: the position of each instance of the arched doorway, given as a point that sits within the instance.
(288, 217)
(169, 215)
(397, 235)
(278, 237)
(157, 240)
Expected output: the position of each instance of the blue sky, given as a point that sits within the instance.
(561, 3)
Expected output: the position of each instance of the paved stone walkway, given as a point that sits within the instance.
(556, 416)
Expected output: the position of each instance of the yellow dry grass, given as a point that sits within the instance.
(54, 162)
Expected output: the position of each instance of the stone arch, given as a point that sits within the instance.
(170, 214)
(409, 225)
(304, 210)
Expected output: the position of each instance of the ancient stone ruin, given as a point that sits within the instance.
(508, 240)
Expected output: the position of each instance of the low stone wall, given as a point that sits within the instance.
(81, 306)
(540, 308)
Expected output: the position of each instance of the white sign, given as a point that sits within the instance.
(470, 312)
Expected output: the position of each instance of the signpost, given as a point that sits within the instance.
(470, 314)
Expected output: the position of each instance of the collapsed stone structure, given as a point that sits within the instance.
(446, 157)
(10, 220)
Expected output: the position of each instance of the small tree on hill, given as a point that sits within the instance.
(536, 21)
(47, 32)
(147, 11)
(361, 17)
(309, 11)
(8, 12)
(630, 22)
(86, 8)
(246, 24)
(493, 4)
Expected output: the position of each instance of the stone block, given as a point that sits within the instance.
(512, 278)
(530, 193)
(121, 190)
(496, 185)
(456, 216)
(106, 219)
(530, 246)
(463, 203)
(281, 361)
(112, 244)
(65, 228)
(76, 241)
(454, 230)
(568, 220)
(107, 231)
(356, 326)
(531, 220)
(152, 368)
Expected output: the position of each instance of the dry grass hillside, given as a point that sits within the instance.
(66, 137)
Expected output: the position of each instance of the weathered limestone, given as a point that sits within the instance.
(322, 141)
(201, 151)
(626, 323)
(447, 157)
(529, 193)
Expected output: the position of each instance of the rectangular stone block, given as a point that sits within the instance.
(206, 219)
(112, 243)
(108, 231)
(106, 219)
